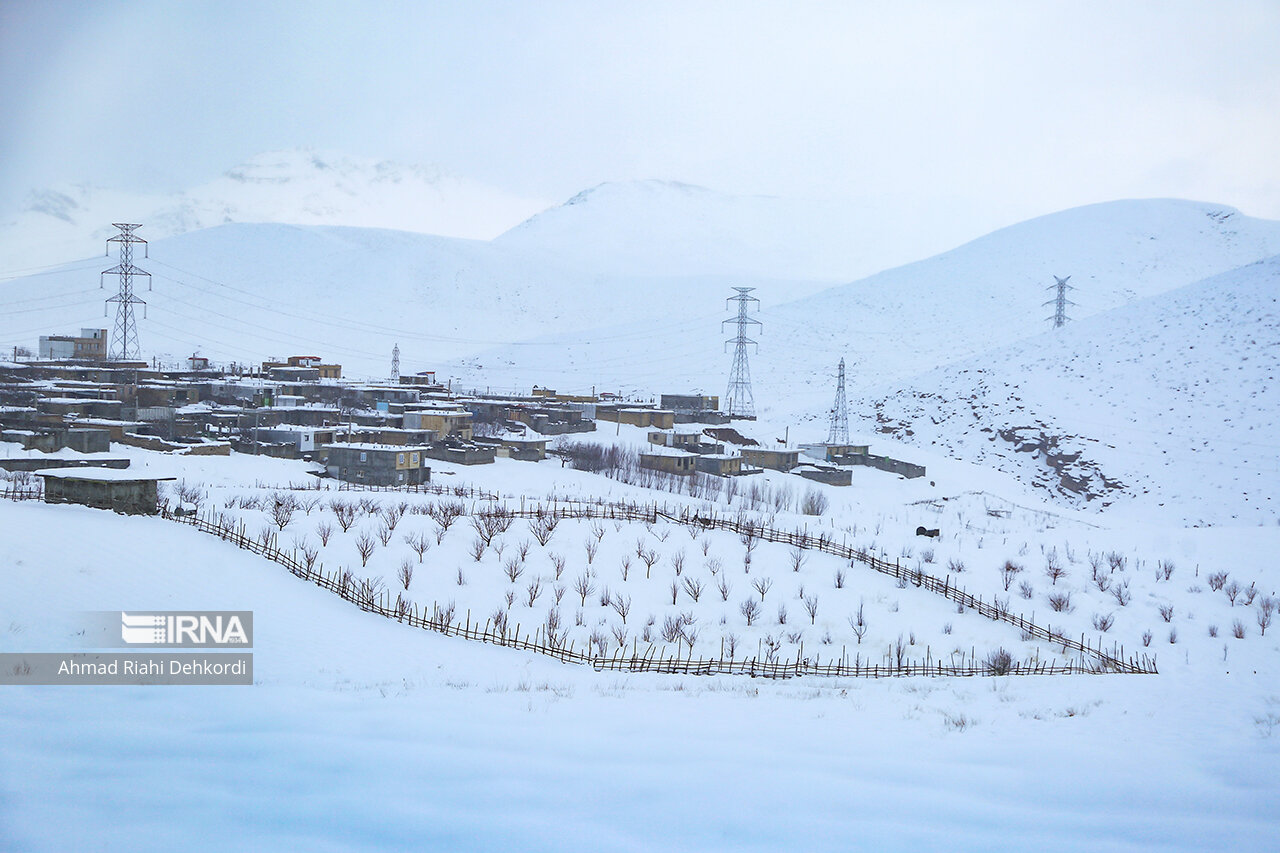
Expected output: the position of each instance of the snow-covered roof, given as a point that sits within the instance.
(102, 475)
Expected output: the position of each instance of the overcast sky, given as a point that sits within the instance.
(980, 114)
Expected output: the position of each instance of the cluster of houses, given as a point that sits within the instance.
(379, 433)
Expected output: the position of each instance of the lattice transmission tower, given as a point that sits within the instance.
(395, 363)
(124, 338)
(839, 433)
(1060, 302)
(738, 399)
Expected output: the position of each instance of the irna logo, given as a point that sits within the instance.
(188, 628)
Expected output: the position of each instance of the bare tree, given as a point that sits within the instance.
(513, 569)
(648, 557)
(542, 528)
(419, 542)
(1121, 593)
(1232, 590)
(622, 604)
(798, 558)
(324, 530)
(693, 588)
(731, 644)
(620, 634)
(1008, 572)
(762, 585)
(477, 549)
(365, 546)
(282, 511)
(626, 566)
(675, 591)
(723, 587)
(384, 534)
(859, 624)
(811, 606)
(677, 561)
(1266, 609)
(557, 564)
(1054, 572)
(558, 591)
(533, 590)
(344, 513)
(583, 587)
(591, 548)
(405, 574)
(750, 610)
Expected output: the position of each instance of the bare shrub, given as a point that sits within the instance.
(324, 530)
(1237, 630)
(1232, 591)
(998, 662)
(1060, 602)
(1217, 580)
(384, 534)
(533, 590)
(591, 548)
(675, 591)
(955, 566)
(1103, 623)
(1146, 638)
(782, 614)
(513, 569)
(1101, 579)
(626, 566)
(557, 564)
(839, 579)
(477, 549)
(750, 609)
(798, 558)
(405, 574)
(462, 578)
(1054, 572)
(1164, 570)
(1120, 592)
(542, 529)
(1026, 590)
(814, 502)
(677, 561)
(1166, 612)
(282, 511)
(1213, 630)
(344, 513)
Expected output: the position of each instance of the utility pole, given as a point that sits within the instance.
(738, 399)
(839, 433)
(395, 364)
(124, 338)
(1060, 302)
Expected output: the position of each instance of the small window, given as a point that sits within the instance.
(364, 457)
(400, 459)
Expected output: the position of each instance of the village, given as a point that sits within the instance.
(378, 434)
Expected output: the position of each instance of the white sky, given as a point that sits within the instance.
(969, 116)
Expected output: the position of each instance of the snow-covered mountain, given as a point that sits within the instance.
(666, 228)
(299, 187)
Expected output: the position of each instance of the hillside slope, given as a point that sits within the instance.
(1169, 402)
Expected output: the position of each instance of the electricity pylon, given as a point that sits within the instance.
(124, 338)
(738, 399)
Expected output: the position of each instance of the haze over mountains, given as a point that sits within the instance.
(622, 287)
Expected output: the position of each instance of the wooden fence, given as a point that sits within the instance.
(660, 659)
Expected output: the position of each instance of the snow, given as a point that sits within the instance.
(362, 733)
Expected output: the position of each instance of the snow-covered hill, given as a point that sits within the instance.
(299, 187)
(248, 292)
(665, 228)
(893, 325)
(1170, 401)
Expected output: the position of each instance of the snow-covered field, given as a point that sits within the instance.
(362, 733)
